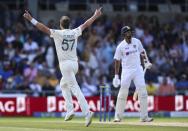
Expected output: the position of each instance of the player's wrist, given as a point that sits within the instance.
(34, 21)
(146, 61)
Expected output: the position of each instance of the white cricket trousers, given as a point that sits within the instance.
(137, 75)
(69, 84)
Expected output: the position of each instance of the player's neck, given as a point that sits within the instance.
(64, 28)
(128, 41)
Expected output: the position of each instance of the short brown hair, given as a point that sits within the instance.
(65, 22)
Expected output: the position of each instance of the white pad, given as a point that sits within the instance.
(142, 96)
(139, 82)
(122, 95)
(121, 102)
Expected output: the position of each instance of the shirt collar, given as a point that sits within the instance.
(126, 42)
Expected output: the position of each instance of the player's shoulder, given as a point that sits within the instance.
(120, 44)
(56, 31)
(136, 40)
(77, 30)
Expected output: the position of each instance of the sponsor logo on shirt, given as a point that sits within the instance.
(130, 52)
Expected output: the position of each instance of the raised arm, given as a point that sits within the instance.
(37, 24)
(91, 19)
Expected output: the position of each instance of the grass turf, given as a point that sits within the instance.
(77, 124)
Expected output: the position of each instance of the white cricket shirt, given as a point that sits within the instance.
(129, 54)
(66, 43)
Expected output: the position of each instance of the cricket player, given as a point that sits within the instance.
(66, 43)
(128, 53)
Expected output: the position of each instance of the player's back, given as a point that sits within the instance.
(66, 43)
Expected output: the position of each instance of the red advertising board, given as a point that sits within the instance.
(26, 106)
(13, 106)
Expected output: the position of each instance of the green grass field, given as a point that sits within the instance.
(77, 124)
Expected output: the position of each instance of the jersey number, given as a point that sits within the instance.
(67, 44)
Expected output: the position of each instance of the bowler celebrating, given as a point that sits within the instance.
(66, 43)
(128, 53)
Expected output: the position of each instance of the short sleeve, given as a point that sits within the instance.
(140, 47)
(54, 33)
(78, 31)
(117, 55)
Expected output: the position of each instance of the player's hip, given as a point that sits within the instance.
(131, 72)
(68, 66)
(132, 69)
(67, 57)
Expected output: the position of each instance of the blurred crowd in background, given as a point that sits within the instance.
(28, 61)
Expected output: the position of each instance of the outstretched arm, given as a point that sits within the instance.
(91, 19)
(37, 24)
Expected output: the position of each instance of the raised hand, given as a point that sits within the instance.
(98, 12)
(27, 15)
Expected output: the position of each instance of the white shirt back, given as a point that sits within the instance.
(129, 54)
(66, 43)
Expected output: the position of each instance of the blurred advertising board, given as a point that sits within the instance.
(27, 106)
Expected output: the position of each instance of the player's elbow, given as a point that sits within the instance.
(44, 29)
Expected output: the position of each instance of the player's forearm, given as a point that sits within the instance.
(117, 66)
(144, 56)
(92, 19)
(39, 25)
(89, 22)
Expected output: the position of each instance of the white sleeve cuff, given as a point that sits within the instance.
(34, 21)
(52, 31)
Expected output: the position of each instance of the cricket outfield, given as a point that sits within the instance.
(77, 124)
